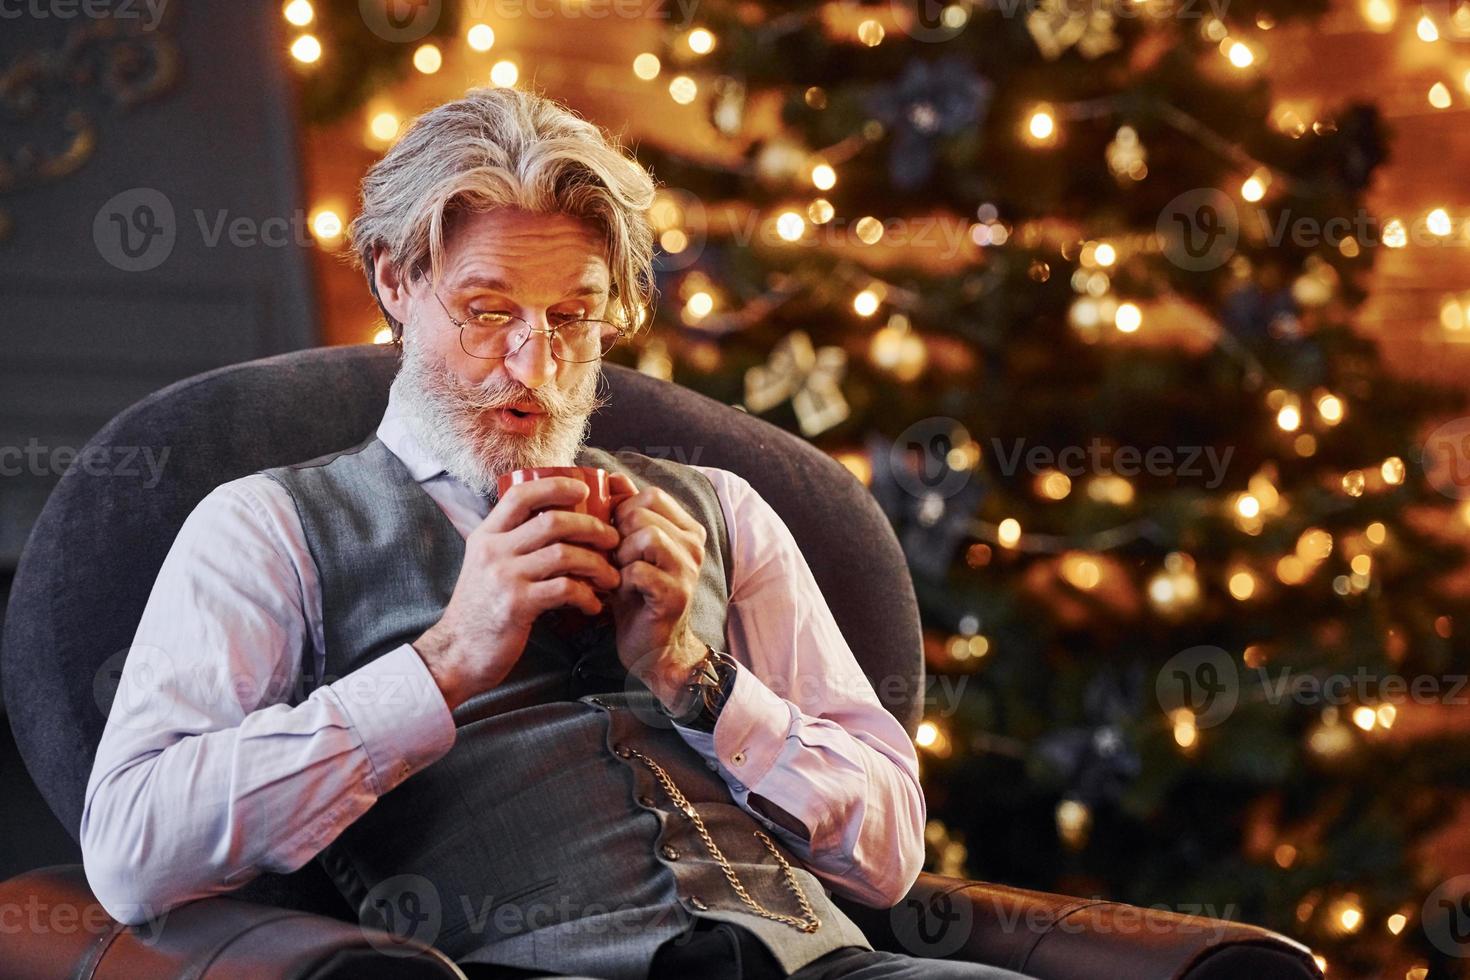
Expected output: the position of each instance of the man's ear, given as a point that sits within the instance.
(392, 288)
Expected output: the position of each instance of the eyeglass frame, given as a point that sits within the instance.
(549, 332)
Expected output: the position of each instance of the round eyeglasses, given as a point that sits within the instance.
(496, 334)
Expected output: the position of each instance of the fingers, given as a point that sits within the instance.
(561, 558)
(565, 591)
(655, 544)
(621, 485)
(639, 519)
(660, 502)
(658, 588)
(551, 526)
(524, 499)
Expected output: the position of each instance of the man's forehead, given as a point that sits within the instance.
(508, 250)
(591, 283)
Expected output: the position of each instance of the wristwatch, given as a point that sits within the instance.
(705, 692)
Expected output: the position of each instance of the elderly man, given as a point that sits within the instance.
(542, 742)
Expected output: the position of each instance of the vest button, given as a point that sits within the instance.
(623, 751)
(645, 800)
(670, 852)
(698, 903)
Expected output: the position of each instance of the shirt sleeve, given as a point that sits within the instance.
(209, 772)
(803, 742)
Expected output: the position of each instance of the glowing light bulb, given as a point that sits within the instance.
(504, 73)
(790, 226)
(1008, 534)
(1254, 187)
(824, 178)
(384, 126)
(646, 66)
(1128, 318)
(682, 89)
(1426, 30)
(428, 59)
(701, 41)
(481, 37)
(1329, 408)
(1439, 95)
(1240, 54)
(1380, 14)
(699, 305)
(927, 734)
(865, 303)
(1042, 126)
(1439, 223)
(306, 49)
(869, 230)
(326, 225)
(299, 13)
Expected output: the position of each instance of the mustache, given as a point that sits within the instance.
(504, 393)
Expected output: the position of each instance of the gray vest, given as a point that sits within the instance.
(540, 840)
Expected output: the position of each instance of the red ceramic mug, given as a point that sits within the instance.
(599, 502)
(600, 499)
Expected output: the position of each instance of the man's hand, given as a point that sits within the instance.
(517, 564)
(660, 556)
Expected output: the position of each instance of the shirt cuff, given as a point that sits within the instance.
(399, 714)
(752, 728)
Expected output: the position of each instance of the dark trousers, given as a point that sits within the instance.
(718, 951)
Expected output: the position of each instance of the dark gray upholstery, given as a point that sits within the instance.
(91, 559)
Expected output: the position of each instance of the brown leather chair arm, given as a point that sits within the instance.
(53, 927)
(1054, 937)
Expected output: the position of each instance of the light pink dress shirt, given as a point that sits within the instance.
(205, 777)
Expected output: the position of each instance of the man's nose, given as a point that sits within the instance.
(533, 365)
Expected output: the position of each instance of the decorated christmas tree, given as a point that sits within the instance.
(1075, 297)
(1059, 285)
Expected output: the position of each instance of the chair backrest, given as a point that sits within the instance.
(91, 559)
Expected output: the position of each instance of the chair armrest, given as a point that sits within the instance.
(1054, 937)
(55, 927)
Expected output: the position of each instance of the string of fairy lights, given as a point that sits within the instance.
(1081, 562)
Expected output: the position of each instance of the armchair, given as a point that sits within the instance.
(90, 563)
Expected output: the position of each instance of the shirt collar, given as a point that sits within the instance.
(395, 432)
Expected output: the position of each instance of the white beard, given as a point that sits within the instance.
(454, 421)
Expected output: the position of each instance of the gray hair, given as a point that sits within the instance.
(503, 147)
